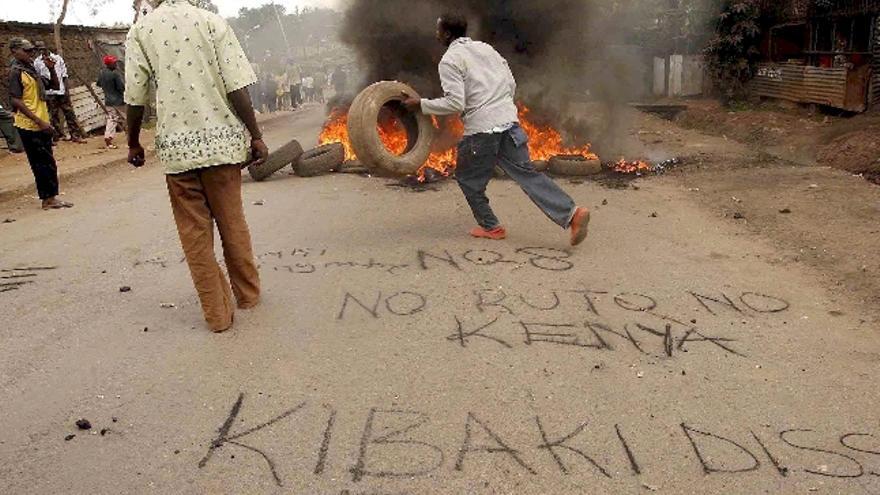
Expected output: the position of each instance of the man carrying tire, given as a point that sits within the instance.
(478, 85)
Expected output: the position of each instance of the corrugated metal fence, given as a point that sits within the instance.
(796, 82)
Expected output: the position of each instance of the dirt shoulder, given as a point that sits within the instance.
(816, 215)
(799, 134)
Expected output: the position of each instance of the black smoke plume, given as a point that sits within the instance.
(544, 41)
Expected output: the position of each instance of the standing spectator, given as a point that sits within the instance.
(320, 82)
(28, 91)
(309, 88)
(7, 128)
(110, 80)
(339, 80)
(206, 132)
(282, 84)
(256, 90)
(295, 75)
(59, 99)
(270, 89)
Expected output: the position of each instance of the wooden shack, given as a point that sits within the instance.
(825, 52)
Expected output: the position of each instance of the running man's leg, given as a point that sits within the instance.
(549, 197)
(477, 156)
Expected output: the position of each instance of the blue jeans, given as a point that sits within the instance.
(480, 153)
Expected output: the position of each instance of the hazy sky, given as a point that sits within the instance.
(114, 11)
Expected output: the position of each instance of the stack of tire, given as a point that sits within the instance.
(318, 161)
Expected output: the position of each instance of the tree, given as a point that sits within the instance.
(732, 52)
(62, 6)
(206, 4)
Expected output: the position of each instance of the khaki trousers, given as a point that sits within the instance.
(199, 199)
(115, 117)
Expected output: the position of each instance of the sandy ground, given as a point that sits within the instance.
(681, 352)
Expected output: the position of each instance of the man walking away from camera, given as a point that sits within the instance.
(206, 132)
(110, 80)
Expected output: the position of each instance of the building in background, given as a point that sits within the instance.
(823, 52)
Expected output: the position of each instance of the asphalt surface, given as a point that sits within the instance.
(392, 354)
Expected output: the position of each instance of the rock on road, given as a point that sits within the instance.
(392, 354)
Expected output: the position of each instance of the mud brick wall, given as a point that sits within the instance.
(81, 48)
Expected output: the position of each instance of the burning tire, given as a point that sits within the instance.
(383, 100)
(541, 165)
(277, 160)
(321, 160)
(352, 167)
(574, 166)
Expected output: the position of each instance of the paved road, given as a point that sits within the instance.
(393, 355)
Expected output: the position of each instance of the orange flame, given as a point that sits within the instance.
(545, 142)
(634, 167)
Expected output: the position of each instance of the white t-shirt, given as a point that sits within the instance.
(60, 71)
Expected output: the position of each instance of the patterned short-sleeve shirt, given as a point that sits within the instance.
(195, 60)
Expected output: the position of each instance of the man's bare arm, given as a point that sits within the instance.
(54, 82)
(244, 108)
(135, 118)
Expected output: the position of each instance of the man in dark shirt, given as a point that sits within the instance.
(110, 80)
(27, 88)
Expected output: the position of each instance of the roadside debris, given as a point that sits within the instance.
(125, 289)
(167, 305)
(259, 202)
(9, 220)
(785, 211)
(83, 424)
(69, 437)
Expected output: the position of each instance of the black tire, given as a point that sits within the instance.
(352, 167)
(574, 166)
(277, 160)
(321, 160)
(363, 116)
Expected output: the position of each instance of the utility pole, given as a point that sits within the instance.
(283, 32)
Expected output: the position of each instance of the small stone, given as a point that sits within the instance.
(114, 419)
(124, 289)
(683, 373)
(640, 374)
(176, 451)
(259, 202)
(654, 215)
(83, 424)
(9, 220)
(104, 431)
(785, 211)
(604, 202)
(146, 329)
(168, 305)
(694, 321)
(738, 216)
(651, 488)
(69, 437)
